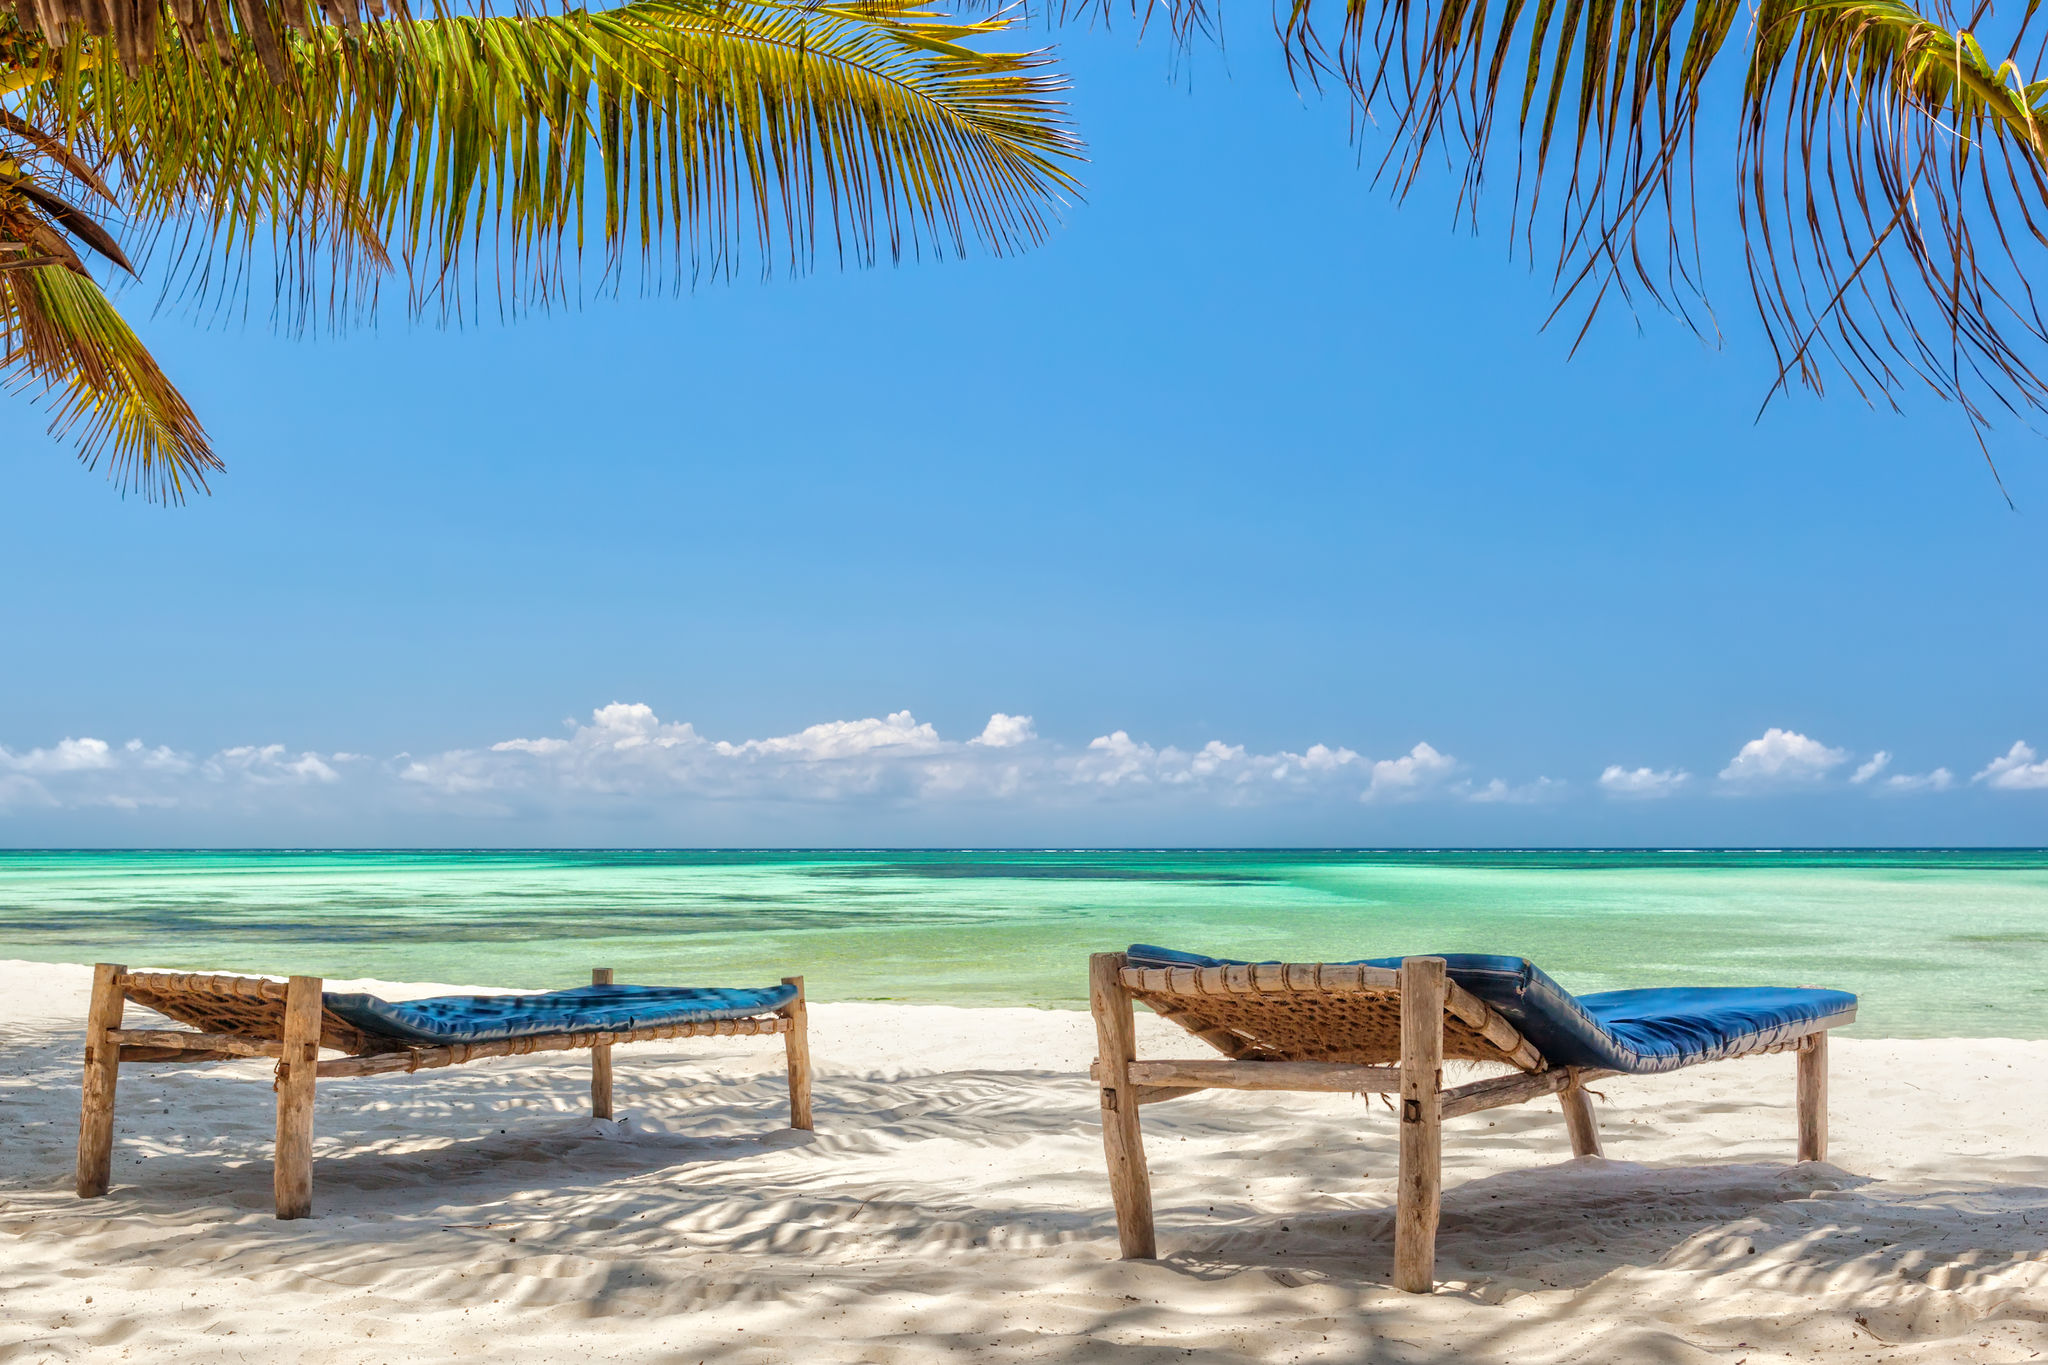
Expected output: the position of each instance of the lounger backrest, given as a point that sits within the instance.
(1317, 1012)
(247, 1006)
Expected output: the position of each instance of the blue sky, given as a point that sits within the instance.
(1243, 454)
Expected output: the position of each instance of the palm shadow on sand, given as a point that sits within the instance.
(493, 1177)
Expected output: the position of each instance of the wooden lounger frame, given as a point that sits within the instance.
(245, 1016)
(1349, 1028)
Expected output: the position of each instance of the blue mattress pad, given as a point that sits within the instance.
(1636, 1031)
(586, 1009)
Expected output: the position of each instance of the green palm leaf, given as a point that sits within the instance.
(1881, 159)
(687, 131)
(63, 339)
(489, 152)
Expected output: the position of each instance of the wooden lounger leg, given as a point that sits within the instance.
(1421, 1178)
(102, 1066)
(797, 1046)
(1578, 1117)
(292, 1176)
(1123, 1145)
(1813, 1099)
(601, 1060)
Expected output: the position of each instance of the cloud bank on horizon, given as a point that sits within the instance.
(626, 756)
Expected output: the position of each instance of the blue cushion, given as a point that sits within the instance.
(586, 1009)
(1636, 1031)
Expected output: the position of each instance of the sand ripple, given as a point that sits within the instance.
(952, 1204)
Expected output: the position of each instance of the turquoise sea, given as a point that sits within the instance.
(1937, 942)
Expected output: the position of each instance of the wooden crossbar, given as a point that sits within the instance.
(242, 1017)
(185, 1040)
(1354, 1021)
(185, 1045)
(1492, 1094)
(1190, 1076)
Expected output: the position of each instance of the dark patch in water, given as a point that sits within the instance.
(1030, 872)
(381, 920)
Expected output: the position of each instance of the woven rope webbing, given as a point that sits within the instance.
(247, 1006)
(1296, 1012)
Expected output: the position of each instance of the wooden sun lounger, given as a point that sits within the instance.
(1352, 1028)
(236, 1017)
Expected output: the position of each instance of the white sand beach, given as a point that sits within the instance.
(952, 1205)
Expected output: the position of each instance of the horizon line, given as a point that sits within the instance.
(1031, 848)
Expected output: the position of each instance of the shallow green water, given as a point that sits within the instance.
(1936, 942)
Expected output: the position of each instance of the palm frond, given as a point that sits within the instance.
(1894, 180)
(61, 339)
(493, 148)
(1881, 159)
(325, 146)
(131, 28)
(66, 159)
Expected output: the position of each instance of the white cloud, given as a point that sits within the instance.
(1782, 757)
(93, 773)
(268, 765)
(65, 756)
(1527, 794)
(1116, 758)
(17, 791)
(1318, 764)
(623, 760)
(625, 750)
(1005, 732)
(2019, 770)
(1642, 783)
(1321, 758)
(898, 732)
(1902, 784)
(163, 758)
(1409, 776)
(529, 746)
